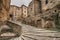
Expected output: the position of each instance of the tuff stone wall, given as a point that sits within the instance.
(14, 12)
(24, 11)
(4, 10)
(17, 13)
(43, 15)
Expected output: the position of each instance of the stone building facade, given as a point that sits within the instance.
(34, 8)
(34, 11)
(15, 12)
(18, 13)
(43, 12)
(51, 14)
(24, 11)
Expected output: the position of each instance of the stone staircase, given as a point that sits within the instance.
(32, 33)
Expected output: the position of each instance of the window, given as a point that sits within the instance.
(25, 8)
(55, 10)
(46, 1)
(11, 15)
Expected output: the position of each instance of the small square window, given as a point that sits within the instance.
(55, 10)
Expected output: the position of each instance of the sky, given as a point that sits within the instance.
(20, 2)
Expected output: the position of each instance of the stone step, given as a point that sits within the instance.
(30, 37)
(38, 38)
(27, 38)
(38, 31)
(17, 38)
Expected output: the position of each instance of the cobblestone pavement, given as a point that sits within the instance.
(32, 33)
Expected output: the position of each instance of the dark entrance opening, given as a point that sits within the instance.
(11, 15)
(46, 1)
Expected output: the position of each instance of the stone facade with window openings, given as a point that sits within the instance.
(15, 12)
(44, 12)
(24, 11)
(51, 12)
(40, 12)
(18, 12)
